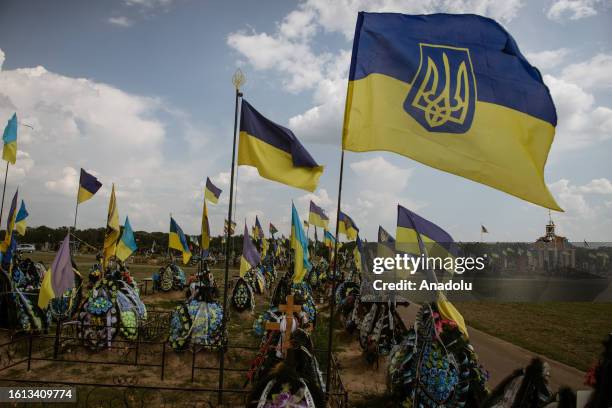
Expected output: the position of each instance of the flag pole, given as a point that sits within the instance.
(76, 212)
(238, 79)
(332, 300)
(4, 190)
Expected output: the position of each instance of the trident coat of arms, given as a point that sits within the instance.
(443, 93)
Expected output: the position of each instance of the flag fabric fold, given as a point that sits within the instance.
(88, 186)
(127, 243)
(212, 192)
(9, 137)
(275, 151)
(453, 92)
(178, 240)
(59, 277)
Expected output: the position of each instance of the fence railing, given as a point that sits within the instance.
(151, 350)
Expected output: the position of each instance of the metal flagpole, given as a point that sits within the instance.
(4, 190)
(315, 243)
(332, 300)
(238, 79)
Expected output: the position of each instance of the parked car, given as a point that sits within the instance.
(26, 248)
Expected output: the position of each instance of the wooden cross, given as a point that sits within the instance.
(289, 308)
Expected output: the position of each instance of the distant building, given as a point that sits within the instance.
(553, 253)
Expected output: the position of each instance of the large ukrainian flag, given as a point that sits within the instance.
(452, 92)
(275, 151)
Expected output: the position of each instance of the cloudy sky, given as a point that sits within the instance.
(139, 93)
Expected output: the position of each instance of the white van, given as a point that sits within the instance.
(26, 248)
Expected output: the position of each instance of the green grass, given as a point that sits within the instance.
(569, 332)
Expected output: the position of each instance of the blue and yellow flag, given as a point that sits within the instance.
(275, 151)
(212, 192)
(317, 216)
(127, 243)
(59, 277)
(7, 246)
(416, 235)
(386, 243)
(329, 239)
(112, 234)
(347, 226)
(177, 240)
(232, 229)
(452, 92)
(250, 257)
(9, 137)
(20, 219)
(358, 255)
(414, 231)
(300, 247)
(272, 230)
(259, 234)
(88, 186)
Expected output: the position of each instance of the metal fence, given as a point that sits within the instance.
(151, 350)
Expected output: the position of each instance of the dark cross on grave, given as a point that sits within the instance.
(289, 308)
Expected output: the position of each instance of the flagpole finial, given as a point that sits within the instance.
(238, 79)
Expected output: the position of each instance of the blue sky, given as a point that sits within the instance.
(139, 92)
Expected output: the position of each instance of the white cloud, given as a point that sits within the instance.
(572, 9)
(301, 67)
(149, 3)
(381, 185)
(77, 123)
(595, 73)
(583, 213)
(597, 186)
(2, 57)
(580, 121)
(546, 60)
(339, 16)
(120, 21)
(377, 173)
(67, 184)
